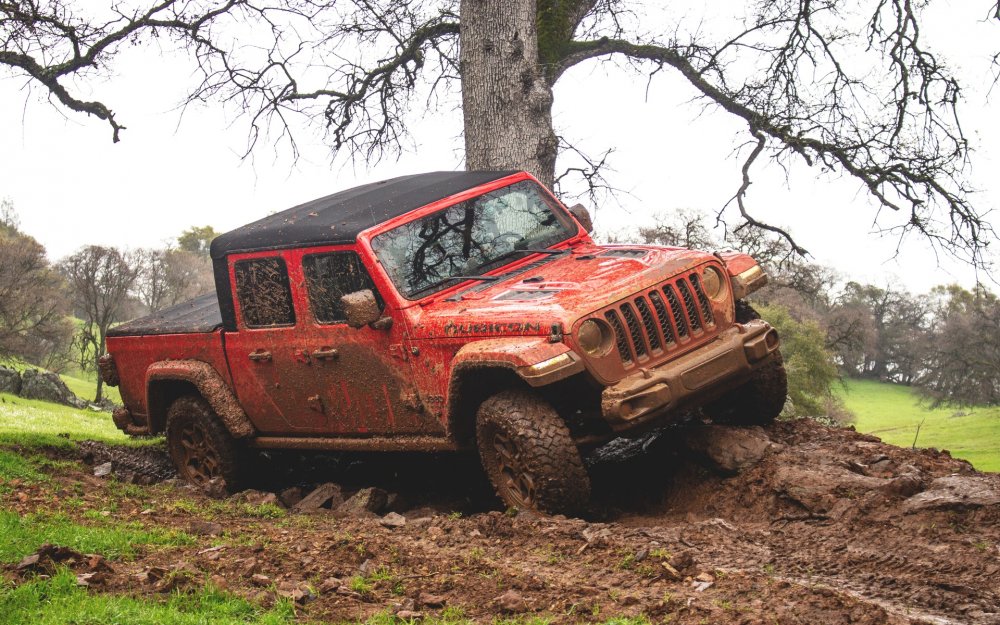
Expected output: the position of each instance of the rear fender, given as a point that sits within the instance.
(166, 380)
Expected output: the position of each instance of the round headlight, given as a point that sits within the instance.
(711, 281)
(594, 337)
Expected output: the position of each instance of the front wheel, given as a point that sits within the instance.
(529, 455)
(200, 446)
(757, 402)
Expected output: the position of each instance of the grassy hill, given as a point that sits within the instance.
(893, 412)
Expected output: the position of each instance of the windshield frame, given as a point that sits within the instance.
(575, 234)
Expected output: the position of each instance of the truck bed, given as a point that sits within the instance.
(197, 315)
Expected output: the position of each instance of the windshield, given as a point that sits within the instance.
(470, 238)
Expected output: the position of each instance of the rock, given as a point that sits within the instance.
(512, 602)
(904, 485)
(291, 496)
(328, 493)
(430, 600)
(819, 487)
(48, 386)
(298, 592)
(219, 581)
(46, 557)
(91, 579)
(97, 563)
(330, 584)
(371, 500)
(102, 470)
(729, 449)
(216, 488)
(198, 527)
(393, 519)
(956, 491)
(260, 580)
(10, 381)
(409, 615)
(255, 497)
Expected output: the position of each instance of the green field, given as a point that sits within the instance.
(893, 412)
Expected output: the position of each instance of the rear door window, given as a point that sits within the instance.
(263, 292)
(331, 276)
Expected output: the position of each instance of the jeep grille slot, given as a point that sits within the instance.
(678, 314)
(664, 317)
(648, 323)
(638, 341)
(620, 341)
(706, 309)
(692, 313)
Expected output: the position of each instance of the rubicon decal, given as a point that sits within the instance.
(455, 329)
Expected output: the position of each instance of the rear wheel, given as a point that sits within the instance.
(529, 455)
(200, 446)
(758, 402)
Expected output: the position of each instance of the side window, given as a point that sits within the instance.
(263, 291)
(331, 276)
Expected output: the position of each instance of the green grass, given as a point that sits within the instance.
(29, 422)
(59, 601)
(84, 385)
(22, 535)
(893, 412)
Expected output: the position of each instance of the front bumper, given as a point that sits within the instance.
(725, 363)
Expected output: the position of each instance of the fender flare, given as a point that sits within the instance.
(535, 359)
(209, 384)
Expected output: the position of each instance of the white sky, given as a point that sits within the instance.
(72, 186)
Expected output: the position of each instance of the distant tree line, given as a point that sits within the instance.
(946, 343)
(57, 315)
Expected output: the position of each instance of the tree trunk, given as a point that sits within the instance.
(97, 367)
(506, 100)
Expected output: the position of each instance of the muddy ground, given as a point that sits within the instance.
(818, 526)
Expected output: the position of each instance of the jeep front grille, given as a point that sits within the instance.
(660, 319)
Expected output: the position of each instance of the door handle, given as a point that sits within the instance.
(327, 353)
(259, 355)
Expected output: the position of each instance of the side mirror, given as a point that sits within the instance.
(362, 309)
(581, 214)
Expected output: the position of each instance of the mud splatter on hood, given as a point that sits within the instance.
(554, 290)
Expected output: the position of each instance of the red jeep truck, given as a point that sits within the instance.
(445, 311)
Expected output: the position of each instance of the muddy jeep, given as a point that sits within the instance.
(444, 312)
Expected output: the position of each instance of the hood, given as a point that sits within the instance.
(551, 290)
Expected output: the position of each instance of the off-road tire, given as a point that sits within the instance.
(529, 455)
(200, 446)
(757, 402)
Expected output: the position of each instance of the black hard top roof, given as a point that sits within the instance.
(200, 314)
(338, 218)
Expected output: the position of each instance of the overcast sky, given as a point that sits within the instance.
(72, 186)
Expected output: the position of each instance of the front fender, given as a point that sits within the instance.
(535, 359)
(209, 383)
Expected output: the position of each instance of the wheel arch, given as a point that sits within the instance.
(170, 379)
(484, 368)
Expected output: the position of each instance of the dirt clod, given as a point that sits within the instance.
(512, 602)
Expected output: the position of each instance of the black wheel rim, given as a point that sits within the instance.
(516, 482)
(200, 460)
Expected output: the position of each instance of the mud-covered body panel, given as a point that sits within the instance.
(412, 379)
